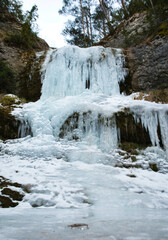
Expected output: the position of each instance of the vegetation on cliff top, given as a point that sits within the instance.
(27, 37)
(94, 20)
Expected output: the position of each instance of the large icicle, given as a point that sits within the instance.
(153, 119)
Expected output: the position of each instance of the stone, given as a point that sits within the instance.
(81, 226)
(144, 39)
(15, 195)
(6, 202)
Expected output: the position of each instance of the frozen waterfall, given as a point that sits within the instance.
(73, 70)
(79, 86)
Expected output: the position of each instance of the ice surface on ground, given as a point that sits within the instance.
(72, 170)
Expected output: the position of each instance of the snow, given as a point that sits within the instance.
(74, 178)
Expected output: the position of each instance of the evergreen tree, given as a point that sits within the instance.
(81, 26)
(27, 37)
(14, 7)
(100, 23)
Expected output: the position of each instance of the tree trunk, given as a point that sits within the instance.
(151, 2)
(88, 30)
(124, 7)
(91, 32)
(104, 10)
(104, 28)
(83, 23)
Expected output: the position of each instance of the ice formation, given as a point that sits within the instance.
(73, 70)
(81, 94)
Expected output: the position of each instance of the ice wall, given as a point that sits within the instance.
(73, 70)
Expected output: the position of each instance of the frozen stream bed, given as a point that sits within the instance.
(69, 188)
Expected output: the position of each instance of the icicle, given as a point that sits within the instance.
(24, 129)
(163, 121)
(92, 128)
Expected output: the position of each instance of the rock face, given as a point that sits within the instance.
(128, 33)
(145, 41)
(18, 59)
(148, 64)
(8, 196)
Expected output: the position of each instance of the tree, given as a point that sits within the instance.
(81, 25)
(73, 30)
(95, 19)
(27, 37)
(27, 33)
(99, 21)
(124, 8)
(14, 7)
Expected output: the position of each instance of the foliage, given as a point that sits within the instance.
(89, 22)
(27, 37)
(7, 78)
(14, 7)
(163, 30)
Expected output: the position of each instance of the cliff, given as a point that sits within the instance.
(16, 59)
(16, 63)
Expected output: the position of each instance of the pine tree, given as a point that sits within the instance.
(81, 26)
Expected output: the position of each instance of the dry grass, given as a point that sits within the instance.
(158, 96)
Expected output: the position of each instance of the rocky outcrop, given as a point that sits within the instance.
(30, 78)
(129, 33)
(10, 127)
(148, 64)
(131, 130)
(158, 96)
(11, 193)
(18, 59)
(144, 38)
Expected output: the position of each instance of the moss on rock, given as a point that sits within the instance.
(9, 100)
